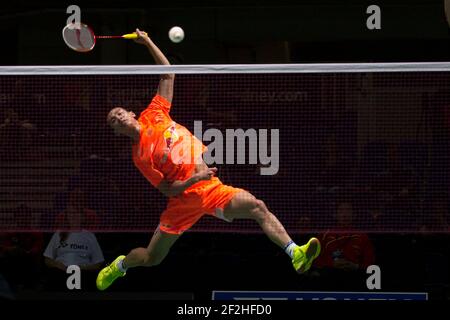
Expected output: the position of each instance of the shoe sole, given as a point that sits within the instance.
(98, 283)
(311, 253)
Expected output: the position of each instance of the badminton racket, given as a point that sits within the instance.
(80, 37)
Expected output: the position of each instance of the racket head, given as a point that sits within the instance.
(79, 37)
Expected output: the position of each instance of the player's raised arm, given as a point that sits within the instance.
(165, 87)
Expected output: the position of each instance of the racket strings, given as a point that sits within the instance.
(79, 37)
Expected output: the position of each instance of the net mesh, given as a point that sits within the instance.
(370, 145)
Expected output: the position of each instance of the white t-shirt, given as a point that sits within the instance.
(80, 248)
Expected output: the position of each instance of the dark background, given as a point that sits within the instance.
(244, 32)
(232, 32)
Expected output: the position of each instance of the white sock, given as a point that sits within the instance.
(289, 248)
(120, 266)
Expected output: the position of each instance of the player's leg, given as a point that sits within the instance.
(154, 254)
(245, 206)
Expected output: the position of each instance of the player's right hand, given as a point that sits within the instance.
(142, 37)
(207, 174)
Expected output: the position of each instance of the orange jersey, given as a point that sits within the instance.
(166, 150)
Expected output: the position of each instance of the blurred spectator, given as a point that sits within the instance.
(74, 248)
(77, 215)
(75, 245)
(79, 248)
(346, 253)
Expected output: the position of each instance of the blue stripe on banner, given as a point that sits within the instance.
(317, 295)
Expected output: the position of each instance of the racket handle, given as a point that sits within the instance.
(131, 35)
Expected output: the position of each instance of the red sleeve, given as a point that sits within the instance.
(368, 257)
(325, 258)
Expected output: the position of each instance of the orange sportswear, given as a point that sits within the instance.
(167, 150)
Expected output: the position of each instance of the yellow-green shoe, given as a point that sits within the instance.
(109, 274)
(304, 255)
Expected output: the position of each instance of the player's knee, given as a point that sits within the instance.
(140, 256)
(258, 210)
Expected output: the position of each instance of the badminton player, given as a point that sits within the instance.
(170, 157)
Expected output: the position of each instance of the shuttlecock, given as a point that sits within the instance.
(176, 34)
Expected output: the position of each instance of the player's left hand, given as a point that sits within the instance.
(206, 174)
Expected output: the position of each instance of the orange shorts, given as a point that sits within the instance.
(206, 197)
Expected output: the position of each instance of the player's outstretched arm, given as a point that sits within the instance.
(165, 87)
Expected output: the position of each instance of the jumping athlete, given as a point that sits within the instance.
(170, 157)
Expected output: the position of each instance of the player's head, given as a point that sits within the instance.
(122, 121)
